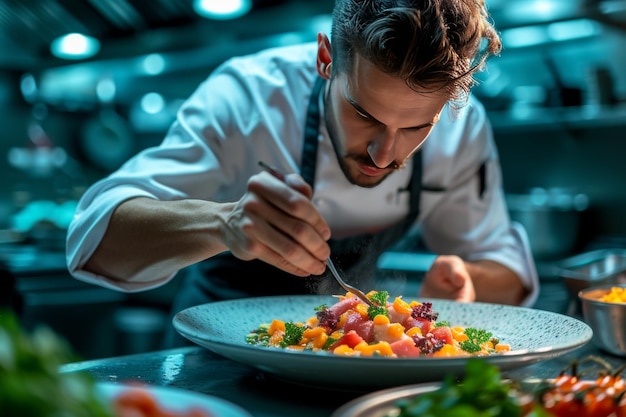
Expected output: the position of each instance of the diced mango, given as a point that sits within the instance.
(395, 330)
(414, 331)
(447, 350)
(345, 350)
(362, 310)
(342, 320)
(313, 332)
(458, 334)
(317, 337)
(312, 321)
(276, 325)
(401, 306)
(380, 348)
(381, 319)
(503, 347)
(337, 334)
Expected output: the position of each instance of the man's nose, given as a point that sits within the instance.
(382, 149)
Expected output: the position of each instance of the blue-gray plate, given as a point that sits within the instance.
(221, 327)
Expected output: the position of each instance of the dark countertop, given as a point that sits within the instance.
(199, 370)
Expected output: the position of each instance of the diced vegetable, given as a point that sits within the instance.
(394, 329)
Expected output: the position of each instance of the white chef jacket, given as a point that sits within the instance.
(252, 109)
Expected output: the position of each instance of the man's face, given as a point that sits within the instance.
(377, 122)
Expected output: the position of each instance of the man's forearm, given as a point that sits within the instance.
(148, 240)
(495, 283)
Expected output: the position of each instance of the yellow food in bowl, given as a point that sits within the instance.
(616, 295)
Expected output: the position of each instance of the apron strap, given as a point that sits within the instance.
(415, 187)
(311, 134)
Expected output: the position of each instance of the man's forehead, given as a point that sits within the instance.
(378, 94)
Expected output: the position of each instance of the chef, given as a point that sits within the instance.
(376, 133)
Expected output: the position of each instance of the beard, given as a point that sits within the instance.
(348, 161)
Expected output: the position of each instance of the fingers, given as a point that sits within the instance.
(277, 223)
(296, 182)
(278, 247)
(292, 198)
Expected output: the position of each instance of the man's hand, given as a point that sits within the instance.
(276, 222)
(448, 278)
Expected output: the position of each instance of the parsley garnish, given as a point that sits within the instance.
(293, 334)
(380, 308)
(477, 337)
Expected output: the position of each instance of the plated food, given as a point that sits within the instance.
(222, 327)
(397, 329)
(483, 393)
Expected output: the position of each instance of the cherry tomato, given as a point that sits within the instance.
(599, 405)
(562, 404)
(613, 381)
(565, 383)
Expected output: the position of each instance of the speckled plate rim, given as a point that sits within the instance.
(221, 327)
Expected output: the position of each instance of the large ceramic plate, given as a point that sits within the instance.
(221, 327)
(176, 400)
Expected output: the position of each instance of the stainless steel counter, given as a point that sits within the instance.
(197, 369)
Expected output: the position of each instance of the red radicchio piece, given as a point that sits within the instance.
(424, 311)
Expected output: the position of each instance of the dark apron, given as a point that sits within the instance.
(226, 277)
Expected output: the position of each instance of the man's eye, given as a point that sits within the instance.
(363, 115)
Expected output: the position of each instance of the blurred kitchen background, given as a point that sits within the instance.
(556, 97)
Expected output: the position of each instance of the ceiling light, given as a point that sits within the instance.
(554, 32)
(222, 9)
(524, 36)
(573, 29)
(105, 90)
(540, 10)
(75, 46)
(152, 103)
(28, 85)
(153, 64)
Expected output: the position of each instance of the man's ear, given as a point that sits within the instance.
(324, 56)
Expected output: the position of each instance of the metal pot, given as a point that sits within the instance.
(551, 219)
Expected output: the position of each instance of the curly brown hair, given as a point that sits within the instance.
(431, 44)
